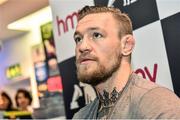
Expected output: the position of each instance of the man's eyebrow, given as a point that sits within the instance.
(92, 28)
(76, 33)
(89, 29)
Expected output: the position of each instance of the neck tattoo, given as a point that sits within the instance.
(108, 100)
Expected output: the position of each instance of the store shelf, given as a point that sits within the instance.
(19, 80)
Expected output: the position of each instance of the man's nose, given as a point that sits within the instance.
(85, 45)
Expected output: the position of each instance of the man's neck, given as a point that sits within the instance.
(108, 91)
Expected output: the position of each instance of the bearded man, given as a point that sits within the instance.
(104, 43)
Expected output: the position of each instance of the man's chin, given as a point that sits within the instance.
(92, 82)
(90, 78)
(86, 69)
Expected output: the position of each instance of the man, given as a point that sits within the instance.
(104, 43)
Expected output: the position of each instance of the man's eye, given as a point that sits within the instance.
(77, 39)
(97, 35)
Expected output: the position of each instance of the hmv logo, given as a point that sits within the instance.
(145, 72)
(64, 25)
(128, 2)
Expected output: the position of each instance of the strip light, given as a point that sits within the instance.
(36, 19)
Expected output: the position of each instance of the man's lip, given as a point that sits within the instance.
(86, 60)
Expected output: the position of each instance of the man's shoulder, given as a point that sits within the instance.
(146, 86)
(155, 101)
(141, 87)
(161, 103)
(143, 84)
(86, 110)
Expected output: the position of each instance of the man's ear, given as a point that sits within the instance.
(127, 44)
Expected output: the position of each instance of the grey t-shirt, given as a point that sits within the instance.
(140, 99)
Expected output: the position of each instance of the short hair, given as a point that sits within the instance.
(26, 95)
(123, 19)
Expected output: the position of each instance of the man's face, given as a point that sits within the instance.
(98, 48)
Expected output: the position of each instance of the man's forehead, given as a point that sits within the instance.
(94, 20)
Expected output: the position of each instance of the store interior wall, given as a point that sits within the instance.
(18, 50)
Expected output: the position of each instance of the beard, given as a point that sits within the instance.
(101, 72)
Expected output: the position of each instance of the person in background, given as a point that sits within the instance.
(5, 102)
(23, 100)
